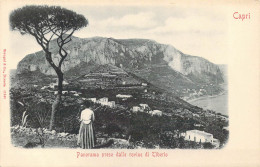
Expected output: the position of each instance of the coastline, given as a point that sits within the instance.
(207, 96)
(217, 103)
(224, 86)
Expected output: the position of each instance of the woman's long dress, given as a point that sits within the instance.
(86, 136)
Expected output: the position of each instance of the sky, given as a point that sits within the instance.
(198, 31)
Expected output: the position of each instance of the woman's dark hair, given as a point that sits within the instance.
(86, 104)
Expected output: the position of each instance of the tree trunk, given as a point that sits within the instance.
(56, 103)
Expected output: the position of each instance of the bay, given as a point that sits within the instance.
(218, 103)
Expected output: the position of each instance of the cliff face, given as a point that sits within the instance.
(130, 54)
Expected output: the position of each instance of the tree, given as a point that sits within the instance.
(45, 23)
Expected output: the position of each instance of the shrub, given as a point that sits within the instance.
(112, 128)
(39, 115)
(24, 119)
(208, 145)
(68, 119)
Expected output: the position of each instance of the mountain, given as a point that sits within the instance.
(224, 70)
(160, 64)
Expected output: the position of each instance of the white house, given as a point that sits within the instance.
(52, 85)
(195, 115)
(45, 87)
(123, 96)
(94, 100)
(136, 108)
(65, 83)
(198, 125)
(144, 106)
(111, 104)
(198, 136)
(144, 84)
(103, 101)
(156, 112)
(65, 92)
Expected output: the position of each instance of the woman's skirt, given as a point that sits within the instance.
(86, 136)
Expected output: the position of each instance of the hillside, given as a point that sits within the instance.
(159, 64)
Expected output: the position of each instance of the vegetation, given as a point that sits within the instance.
(44, 23)
(140, 129)
(24, 119)
(37, 109)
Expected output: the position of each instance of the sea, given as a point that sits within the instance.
(217, 103)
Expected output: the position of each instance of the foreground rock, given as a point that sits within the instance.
(29, 138)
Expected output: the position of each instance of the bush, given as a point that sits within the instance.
(208, 145)
(39, 115)
(67, 119)
(112, 128)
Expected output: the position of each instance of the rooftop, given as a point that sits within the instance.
(200, 132)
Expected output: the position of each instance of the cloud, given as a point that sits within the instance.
(141, 20)
(197, 31)
(191, 24)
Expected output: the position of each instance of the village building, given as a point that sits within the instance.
(65, 92)
(52, 85)
(156, 112)
(103, 101)
(144, 106)
(198, 125)
(45, 87)
(144, 84)
(94, 100)
(195, 115)
(141, 108)
(124, 97)
(198, 136)
(136, 108)
(182, 134)
(65, 83)
(111, 104)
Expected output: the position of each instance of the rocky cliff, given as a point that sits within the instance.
(129, 54)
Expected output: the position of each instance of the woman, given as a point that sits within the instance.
(86, 134)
